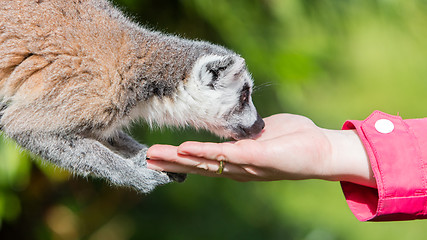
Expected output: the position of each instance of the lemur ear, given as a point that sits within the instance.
(215, 69)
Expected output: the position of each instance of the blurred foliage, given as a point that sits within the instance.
(329, 60)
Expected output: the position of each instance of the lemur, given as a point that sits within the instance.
(73, 73)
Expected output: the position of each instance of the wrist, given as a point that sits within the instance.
(348, 160)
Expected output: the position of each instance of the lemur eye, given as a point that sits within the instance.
(244, 95)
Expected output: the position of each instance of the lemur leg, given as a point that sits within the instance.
(127, 147)
(130, 148)
(85, 156)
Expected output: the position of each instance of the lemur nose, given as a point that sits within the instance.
(257, 126)
(249, 132)
(255, 129)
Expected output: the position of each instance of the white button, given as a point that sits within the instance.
(384, 126)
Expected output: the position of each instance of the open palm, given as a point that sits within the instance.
(289, 147)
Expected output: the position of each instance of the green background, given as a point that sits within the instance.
(329, 60)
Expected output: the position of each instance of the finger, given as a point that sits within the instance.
(203, 167)
(163, 152)
(237, 166)
(166, 158)
(229, 152)
(194, 149)
(195, 165)
(165, 166)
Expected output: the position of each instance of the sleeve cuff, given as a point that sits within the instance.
(398, 168)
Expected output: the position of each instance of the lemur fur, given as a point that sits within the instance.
(74, 72)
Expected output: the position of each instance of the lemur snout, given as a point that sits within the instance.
(257, 127)
(252, 131)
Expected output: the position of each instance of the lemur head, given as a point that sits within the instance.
(215, 95)
(219, 93)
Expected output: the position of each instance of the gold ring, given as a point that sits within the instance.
(221, 167)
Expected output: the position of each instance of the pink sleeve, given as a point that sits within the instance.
(397, 150)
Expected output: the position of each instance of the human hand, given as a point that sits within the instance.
(290, 147)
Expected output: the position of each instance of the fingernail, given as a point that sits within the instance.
(151, 157)
(182, 152)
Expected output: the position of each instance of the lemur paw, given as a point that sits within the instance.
(149, 180)
(177, 177)
(140, 159)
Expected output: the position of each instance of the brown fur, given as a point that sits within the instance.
(54, 58)
(80, 64)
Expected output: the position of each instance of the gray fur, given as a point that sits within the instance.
(85, 156)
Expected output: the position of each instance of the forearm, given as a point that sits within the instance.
(348, 159)
(86, 156)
